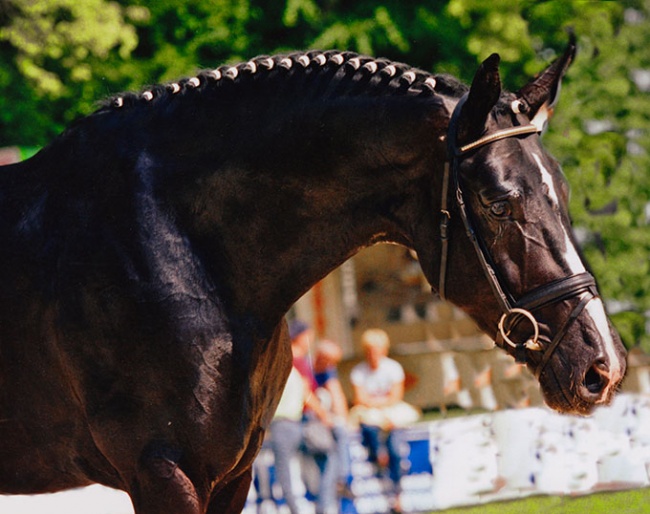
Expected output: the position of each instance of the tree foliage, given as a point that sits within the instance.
(57, 58)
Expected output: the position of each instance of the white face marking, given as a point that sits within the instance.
(594, 308)
(571, 256)
(596, 311)
(548, 180)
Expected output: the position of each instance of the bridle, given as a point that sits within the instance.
(580, 285)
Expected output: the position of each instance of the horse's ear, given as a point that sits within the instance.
(539, 96)
(483, 96)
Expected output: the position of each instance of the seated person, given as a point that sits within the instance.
(378, 384)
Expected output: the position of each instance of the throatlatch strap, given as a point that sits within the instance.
(444, 234)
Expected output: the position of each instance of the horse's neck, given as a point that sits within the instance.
(278, 215)
(270, 244)
(269, 203)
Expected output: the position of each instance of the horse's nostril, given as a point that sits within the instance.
(597, 377)
(594, 381)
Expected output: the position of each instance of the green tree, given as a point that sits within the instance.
(54, 59)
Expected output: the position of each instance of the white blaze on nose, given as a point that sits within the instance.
(548, 180)
(596, 311)
(595, 308)
(571, 256)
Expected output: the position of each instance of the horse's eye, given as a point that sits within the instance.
(501, 209)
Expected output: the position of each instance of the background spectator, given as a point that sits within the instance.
(326, 359)
(378, 384)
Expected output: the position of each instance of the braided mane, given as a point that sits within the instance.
(346, 73)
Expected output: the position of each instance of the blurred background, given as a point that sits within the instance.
(59, 58)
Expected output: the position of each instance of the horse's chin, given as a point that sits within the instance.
(567, 403)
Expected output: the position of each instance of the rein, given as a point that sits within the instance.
(581, 285)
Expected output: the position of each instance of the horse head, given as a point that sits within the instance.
(532, 290)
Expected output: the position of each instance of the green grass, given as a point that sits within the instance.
(635, 501)
(451, 412)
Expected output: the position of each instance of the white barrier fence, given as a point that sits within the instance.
(454, 462)
(497, 456)
(511, 454)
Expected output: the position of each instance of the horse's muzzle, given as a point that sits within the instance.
(600, 381)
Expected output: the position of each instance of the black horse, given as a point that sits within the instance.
(151, 252)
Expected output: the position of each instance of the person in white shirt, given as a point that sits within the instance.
(378, 384)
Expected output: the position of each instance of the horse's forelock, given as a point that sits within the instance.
(348, 72)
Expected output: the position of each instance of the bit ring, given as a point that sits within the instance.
(531, 344)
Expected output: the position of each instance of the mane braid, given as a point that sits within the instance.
(339, 73)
